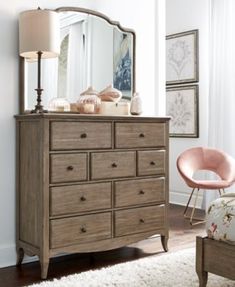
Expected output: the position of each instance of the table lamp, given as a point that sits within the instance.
(39, 37)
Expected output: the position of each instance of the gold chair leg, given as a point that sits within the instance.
(191, 217)
(194, 206)
(186, 208)
(219, 192)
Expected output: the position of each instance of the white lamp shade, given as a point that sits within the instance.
(39, 30)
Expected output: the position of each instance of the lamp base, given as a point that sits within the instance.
(38, 110)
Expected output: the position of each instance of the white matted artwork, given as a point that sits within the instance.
(182, 58)
(182, 107)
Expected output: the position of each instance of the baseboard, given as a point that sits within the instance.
(8, 256)
(181, 198)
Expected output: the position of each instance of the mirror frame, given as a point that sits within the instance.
(87, 11)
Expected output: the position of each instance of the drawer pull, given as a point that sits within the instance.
(141, 220)
(70, 167)
(114, 164)
(141, 192)
(152, 163)
(141, 135)
(82, 198)
(83, 229)
(83, 136)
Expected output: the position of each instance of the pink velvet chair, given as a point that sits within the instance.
(200, 158)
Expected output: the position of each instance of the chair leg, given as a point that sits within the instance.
(194, 207)
(186, 208)
(219, 192)
(191, 217)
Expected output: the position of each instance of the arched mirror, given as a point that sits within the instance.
(95, 51)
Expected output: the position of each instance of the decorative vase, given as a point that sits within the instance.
(89, 102)
(136, 104)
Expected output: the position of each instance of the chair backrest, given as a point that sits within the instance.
(201, 158)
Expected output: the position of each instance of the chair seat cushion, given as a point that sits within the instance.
(220, 219)
(211, 184)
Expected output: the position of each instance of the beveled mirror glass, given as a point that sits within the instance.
(95, 51)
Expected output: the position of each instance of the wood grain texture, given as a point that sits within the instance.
(68, 167)
(151, 162)
(137, 220)
(29, 182)
(79, 192)
(139, 191)
(80, 229)
(215, 257)
(131, 135)
(202, 274)
(80, 135)
(113, 164)
(80, 198)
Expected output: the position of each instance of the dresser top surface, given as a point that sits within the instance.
(68, 116)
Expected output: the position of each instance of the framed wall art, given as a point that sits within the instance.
(182, 58)
(122, 63)
(182, 107)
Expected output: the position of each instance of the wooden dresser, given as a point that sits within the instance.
(89, 183)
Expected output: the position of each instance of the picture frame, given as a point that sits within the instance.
(182, 105)
(182, 54)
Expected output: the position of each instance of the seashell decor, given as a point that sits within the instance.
(110, 94)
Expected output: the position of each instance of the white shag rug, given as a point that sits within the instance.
(168, 270)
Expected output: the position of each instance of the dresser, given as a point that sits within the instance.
(89, 183)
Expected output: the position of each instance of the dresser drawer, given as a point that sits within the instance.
(80, 198)
(140, 191)
(80, 229)
(151, 162)
(80, 135)
(113, 164)
(131, 135)
(139, 220)
(68, 167)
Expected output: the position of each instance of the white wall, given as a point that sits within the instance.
(184, 15)
(137, 14)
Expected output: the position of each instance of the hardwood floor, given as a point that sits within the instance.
(181, 236)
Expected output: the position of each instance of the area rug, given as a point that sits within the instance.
(169, 270)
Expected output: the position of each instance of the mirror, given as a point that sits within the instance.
(95, 51)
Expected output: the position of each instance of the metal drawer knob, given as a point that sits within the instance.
(83, 229)
(141, 135)
(141, 220)
(83, 136)
(114, 164)
(152, 163)
(141, 192)
(82, 198)
(70, 167)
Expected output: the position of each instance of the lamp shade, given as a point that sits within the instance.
(39, 30)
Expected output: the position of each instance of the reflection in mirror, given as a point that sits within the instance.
(93, 53)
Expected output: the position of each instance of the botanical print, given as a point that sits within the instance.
(181, 58)
(181, 106)
(220, 224)
(122, 63)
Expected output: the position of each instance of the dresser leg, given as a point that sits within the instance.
(44, 268)
(164, 240)
(20, 256)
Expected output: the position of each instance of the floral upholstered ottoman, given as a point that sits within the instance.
(220, 224)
